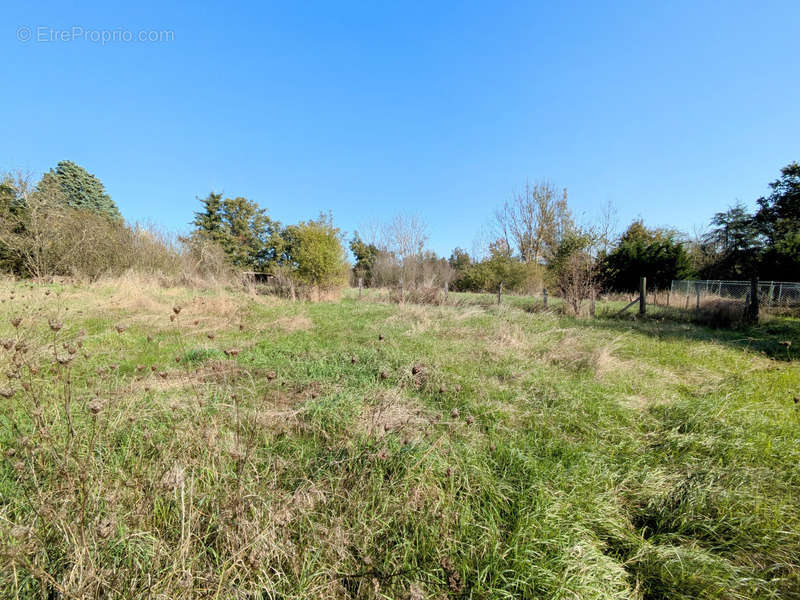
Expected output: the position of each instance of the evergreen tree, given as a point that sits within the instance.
(778, 219)
(655, 253)
(81, 189)
(250, 239)
(366, 256)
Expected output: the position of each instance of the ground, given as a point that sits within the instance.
(172, 442)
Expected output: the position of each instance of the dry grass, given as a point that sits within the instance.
(293, 323)
(394, 414)
(466, 452)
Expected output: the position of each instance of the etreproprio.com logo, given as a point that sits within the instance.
(46, 34)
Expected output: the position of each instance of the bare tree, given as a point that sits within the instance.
(405, 236)
(27, 225)
(535, 221)
(606, 230)
(402, 244)
(573, 269)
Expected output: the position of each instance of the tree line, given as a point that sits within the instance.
(66, 223)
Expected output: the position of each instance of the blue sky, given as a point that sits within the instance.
(670, 110)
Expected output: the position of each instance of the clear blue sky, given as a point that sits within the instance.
(671, 110)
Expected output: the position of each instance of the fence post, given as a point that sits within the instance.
(360, 285)
(752, 309)
(500, 292)
(544, 296)
(780, 293)
(591, 304)
(642, 295)
(446, 289)
(697, 293)
(668, 293)
(771, 292)
(687, 296)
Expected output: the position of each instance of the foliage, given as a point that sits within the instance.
(534, 222)
(314, 251)
(778, 220)
(366, 255)
(734, 245)
(460, 260)
(249, 238)
(487, 275)
(80, 190)
(572, 269)
(654, 253)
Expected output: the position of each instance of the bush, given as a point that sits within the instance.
(315, 254)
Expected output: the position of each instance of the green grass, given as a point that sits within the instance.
(289, 452)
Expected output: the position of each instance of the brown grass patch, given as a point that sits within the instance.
(573, 353)
(393, 414)
(293, 323)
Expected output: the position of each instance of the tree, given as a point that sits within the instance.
(314, 251)
(534, 222)
(778, 220)
(734, 245)
(249, 238)
(400, 256)
(42, 235)
(81, 190)
(572, 269)
(657, 254)
(366, 255)
(459, 260)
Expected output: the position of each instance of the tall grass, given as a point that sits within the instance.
(199, 442)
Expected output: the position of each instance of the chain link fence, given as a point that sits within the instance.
(771, 294)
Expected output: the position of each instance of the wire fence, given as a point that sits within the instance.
(771, 294)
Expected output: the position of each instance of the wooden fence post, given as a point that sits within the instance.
(500, 292)
(642, 295)
(446, 289)
(591, 303)
(752, 309)
(544, 296)
(360, 285)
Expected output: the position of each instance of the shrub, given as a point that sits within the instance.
(315, 254)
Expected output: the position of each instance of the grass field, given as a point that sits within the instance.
(172, 443)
